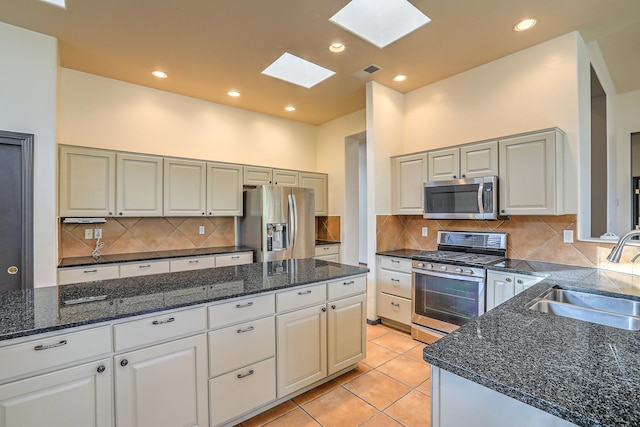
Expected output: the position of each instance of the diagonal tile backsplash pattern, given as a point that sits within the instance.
(131, 235)
(537, 238)
(328, 228)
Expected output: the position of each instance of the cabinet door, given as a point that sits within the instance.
(138, 185)
(224, 189)
(256, 175)
(479, 159)
(530, 183)
(346, 343)
(524, 282)
(409, 174)
(76, 397)
(184, 187)
(164, 385)
(87, 182)
(319, 183)
(500, 287)
(285, 177)
(301, 348)
(444, 164)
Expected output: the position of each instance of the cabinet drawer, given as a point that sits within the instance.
(234, 259)
(241, 310)
(87, 274)
(395, 283)
(240, 391)
(394, 308)
(236, 346)
(53, 351)
(327, 250)
(301, 297)
(158, 328)
(144, 268)
(198, 263)
(332, 257)
(347, 286)
(398, 264)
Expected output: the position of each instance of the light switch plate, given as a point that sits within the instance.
(567, 236)
(425, 231)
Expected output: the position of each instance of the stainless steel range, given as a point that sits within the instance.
(448, 285)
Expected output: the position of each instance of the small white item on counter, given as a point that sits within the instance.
(610, 236)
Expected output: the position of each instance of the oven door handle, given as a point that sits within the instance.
(477, 279)
(481, 198)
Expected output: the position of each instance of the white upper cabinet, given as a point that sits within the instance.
(480, 159)
(138, 185)
(185, 185)
(531, 179)
(257, 175)
(287, 178)
(444, 164)
(466, 161)
(224, 189)
(87, 182)
(319, 183)
(408, 175)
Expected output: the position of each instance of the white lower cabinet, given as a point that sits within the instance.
(394, 289)
(327, 253)
(503, 285)
(80, 396)
(164, 385)
(346, 340)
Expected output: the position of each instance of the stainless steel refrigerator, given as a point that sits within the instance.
(278, 223)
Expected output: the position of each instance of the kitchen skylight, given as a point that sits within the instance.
(59, 3)
(298, 71)
(380, 22)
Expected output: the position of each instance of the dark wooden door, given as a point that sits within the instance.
(16, 211)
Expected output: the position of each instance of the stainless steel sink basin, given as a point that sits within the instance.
(617, 312)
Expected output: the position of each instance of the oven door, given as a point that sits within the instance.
(446, 301)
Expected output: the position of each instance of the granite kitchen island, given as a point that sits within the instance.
(516, 366)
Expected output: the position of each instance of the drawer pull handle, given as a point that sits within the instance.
(249, 329)
(325, 249)
(235, 257)
(101, 369)
(395, 304)
(240, 376)
(85, 299)
(249, 304)
(161, 322)
(47, 347)
(90, 271)
(395, 260)
(194, 261)
(145, 266)
(348, 283)
(395, 280)
(308, 291)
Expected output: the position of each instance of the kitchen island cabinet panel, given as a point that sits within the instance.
(345, 335)
(164, 385)
(80, 396)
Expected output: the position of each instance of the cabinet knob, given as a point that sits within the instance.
(202, 213)
(124, 362)
(464, 176)
(520, 281)
(454, 177)
(101, 369)
(120, 213)
(324, 309)
(110, 213)
(507, 280)
(333, 306)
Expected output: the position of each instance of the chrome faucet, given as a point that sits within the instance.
(616, 252)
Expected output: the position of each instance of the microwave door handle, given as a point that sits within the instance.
(481, 198)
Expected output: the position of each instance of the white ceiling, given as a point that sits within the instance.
(209, 47)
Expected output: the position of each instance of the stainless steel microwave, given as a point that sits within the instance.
(470, 198)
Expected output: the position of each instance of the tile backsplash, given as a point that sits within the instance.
(328, 228)
(131, 235)
(537, 238)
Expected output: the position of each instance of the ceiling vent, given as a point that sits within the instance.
(367, 71)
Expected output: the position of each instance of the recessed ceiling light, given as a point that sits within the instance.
(159, 74)
(233, 93)
(336, 47)
(380, 22)
(525, 24)
(298, 71)
(400, 78)
(290, 108)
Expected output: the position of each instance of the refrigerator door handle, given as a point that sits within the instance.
(292, 222)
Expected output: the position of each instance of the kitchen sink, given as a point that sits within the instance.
(617, 312)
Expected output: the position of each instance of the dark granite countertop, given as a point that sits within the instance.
(321, 242)
(582, 372)
(53, 308)
(145, 256)
(400, 253)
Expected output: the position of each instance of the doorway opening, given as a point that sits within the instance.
(355, 209)
(599, 158)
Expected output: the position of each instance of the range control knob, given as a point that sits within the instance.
(469, 272)
(443, 268)
(420, 264)
(429, 266)
(458, 270)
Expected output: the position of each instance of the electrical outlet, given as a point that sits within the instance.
(425, 231)
(201, 231)
(97, 233)
(567, 236)
(88, 234)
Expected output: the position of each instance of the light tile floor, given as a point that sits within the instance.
(391, 387)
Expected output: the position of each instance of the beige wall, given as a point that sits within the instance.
(28, 104)
(105, 113)
(628, 122)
